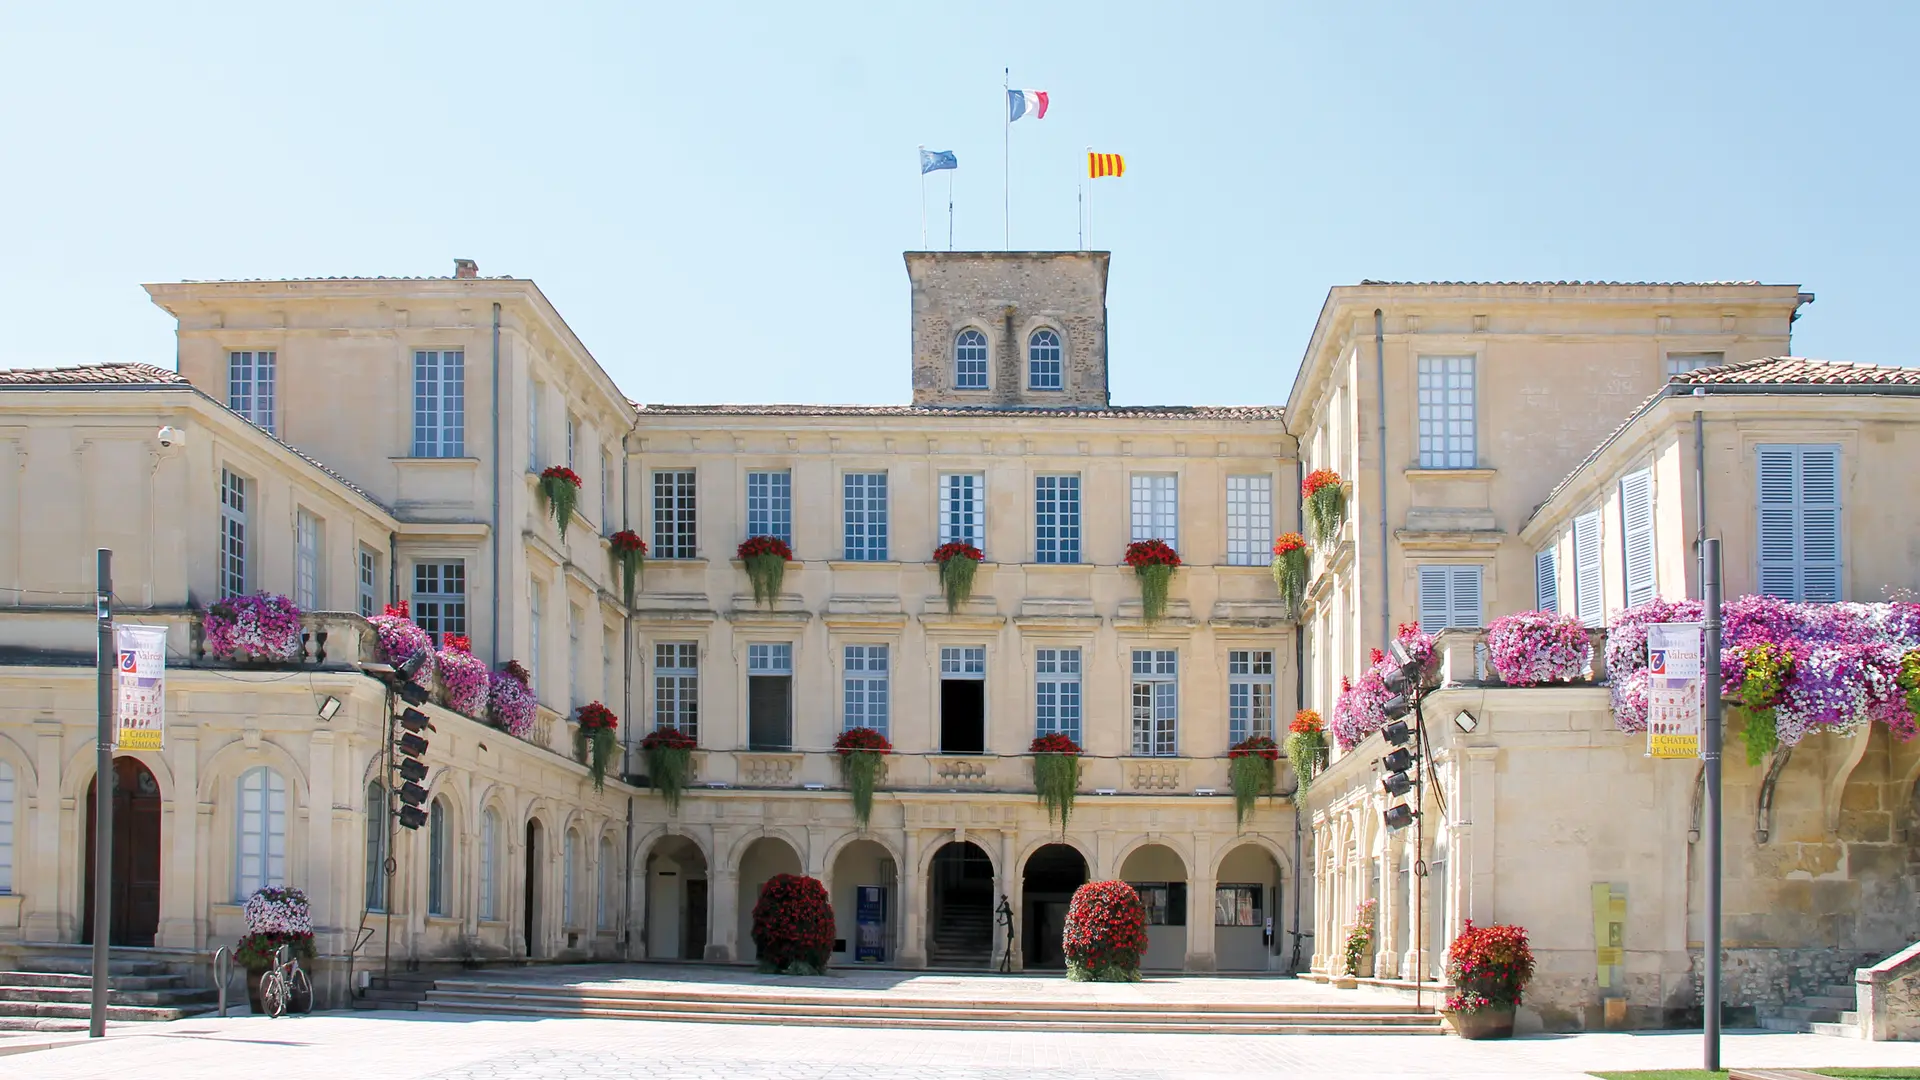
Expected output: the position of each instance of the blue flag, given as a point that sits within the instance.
(935, 160)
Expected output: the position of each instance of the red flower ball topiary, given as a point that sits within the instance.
(793, 925)
(1106, 933)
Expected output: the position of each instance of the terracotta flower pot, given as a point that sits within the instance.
(1492, 1022)
(300, 1002)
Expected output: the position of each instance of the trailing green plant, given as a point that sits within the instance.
(1306, 747)
(1292, 565)
(1360, 936)
(1056, 774)
(631, 553)
(861, 760)
(1250, 768)
(958, 562)
(561, 486)
(1324, 505)
(765, 558)
(597, 727)
(669, 756)
(1909, 679)
(1765, 668)
(1154, 562)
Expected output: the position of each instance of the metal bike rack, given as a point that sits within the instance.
(222, 975)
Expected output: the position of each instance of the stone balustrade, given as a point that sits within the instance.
(1461, 657)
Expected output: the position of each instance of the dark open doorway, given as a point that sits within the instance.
(136, 857)
(963, 716)
(1052, 874)
(531, 907)
(960, 917)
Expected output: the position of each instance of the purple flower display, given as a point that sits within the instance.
(1360, 710)
(400, 640)
(263, 626)
(1534, 647)
(511, 703)
(465, 684)
(1845, 668)
(278, 910)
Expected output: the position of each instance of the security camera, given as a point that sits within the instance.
(171, 436)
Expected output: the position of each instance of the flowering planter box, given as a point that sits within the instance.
(1492, 1022)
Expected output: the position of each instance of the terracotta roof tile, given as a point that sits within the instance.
(1111, 412)
(1801, 371)
(1589, 284)
(92, 375)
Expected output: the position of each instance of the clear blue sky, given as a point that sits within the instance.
(716, 196)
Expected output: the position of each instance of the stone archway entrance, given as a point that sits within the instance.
(865, 865)
(136, 857)
(960, 907)
(1052, 874)
(1159, 875)
(764, 858)
(676, 884)
(1248, 897)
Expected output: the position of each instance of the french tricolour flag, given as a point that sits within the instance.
(1026, 103)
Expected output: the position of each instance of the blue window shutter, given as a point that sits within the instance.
(1820, 524)
(1435, 605)
(1636, 528)
(1466, 597)
(1778, 489)
(1546, 580)
(1586, 566)
(1798, 494)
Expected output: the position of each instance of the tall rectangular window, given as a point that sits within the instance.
(1156, 702)
(770, 504)
(1447, 413)
(574, 662)
(865, 513)
(673, 521)
(606, 493)
(260, 848)
(1249, 694)
(1449, 597)
(533, 426)
(1679, 363)
(536, 667)
(573, 438)
(1546, 579)
(1156, 508)
(609, 667)
(440, 598)
(1799, 512)
(1587, 597)
(308, 560)
(250, 387)
(439, 403)
(1056, 519)
(866, 686)
(6, 827)
(963, 699)
(489, 862)
(1636, 537)
(233, 534)
(970, 360)
(963, 509)
(1056, 692)
(1249, 520)
(676, 687)
(437, 858)
(770, 696)
(369, 582)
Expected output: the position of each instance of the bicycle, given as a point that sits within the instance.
(282, 982)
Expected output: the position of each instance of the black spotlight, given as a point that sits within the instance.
(413, 693)
(1397, 733)
(416, 721)
(411, 745)
(1396, 706)
(409, 769)
(1398, 816)
(1397, 784)
(1400, 760)
(1397, 680)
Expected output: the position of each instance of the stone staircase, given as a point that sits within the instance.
(827, 1008)
(963, 938)
(389, 992)
(1829, 1012)
(53, 993)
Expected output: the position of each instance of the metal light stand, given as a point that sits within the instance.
(103, 793)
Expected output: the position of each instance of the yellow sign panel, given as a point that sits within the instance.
(1673, 746)
(1610, 956)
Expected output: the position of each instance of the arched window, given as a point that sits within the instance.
(489, 863)
(607, 882)
(571, 880)
(437, 878)
(260, 853)
(1043, 360)
(376, 847)
(6, 827)
(970, 360)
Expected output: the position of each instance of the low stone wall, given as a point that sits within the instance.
(1767, 980)
(1889, 997)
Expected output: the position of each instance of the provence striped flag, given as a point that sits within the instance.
(1099, 165)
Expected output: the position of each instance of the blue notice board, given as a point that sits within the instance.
(870, 924)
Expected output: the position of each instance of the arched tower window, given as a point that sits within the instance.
(970, 360)
(1043, 360)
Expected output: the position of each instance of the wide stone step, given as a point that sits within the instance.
(1824, 1001)
(115, 982)
(60, 1010)
(1839, 990)
(1807, 1014)
(1838, 1030)
(80, 965)
(1781, 1023)
(84, 995)
(835, 999)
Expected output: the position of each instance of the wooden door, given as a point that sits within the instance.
(136, 857)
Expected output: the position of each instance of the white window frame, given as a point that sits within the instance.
(1056, 692)
(609, 648)
(1056, 518)
(379, 805)
(251, 382)
(1156, 507)
(536, 599)
(574, 618)
(1046, 360)
(676, 687)
(863, 511)
(1451, 596)
(570, 880)
(963, 509)
(770, 503)
(1546, 579)
(1448, 411)
(866, 687)
(309, 540)
(573, 439)
(1589, 595)
(9, 793)
(234, 578)
(439, 403)
(260, 832)
(606, 492)
(1250, 694)
(1155, 702)
(439, 598)
(1680, 363)
(369, 577)
(1799, 521)
(604, 866)
(1638, 560)
(675, 505)
(534, 395)
(438, 877)
(963, 662)
(490, 863)
(1250, 519)
(966, 354)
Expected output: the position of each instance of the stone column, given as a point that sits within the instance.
(1008, 886)
(913, 905)
(723, 900)
(41, 920)
(1481, 809)
(1200, 951)
(327, 913)
(1387, 917)
(183, 920)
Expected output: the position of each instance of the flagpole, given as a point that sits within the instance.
(1089, 198)
(950, 173)
(1080, 212)
(1006, 162)
(923, 198)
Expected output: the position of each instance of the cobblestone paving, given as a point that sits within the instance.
(422, 1046)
